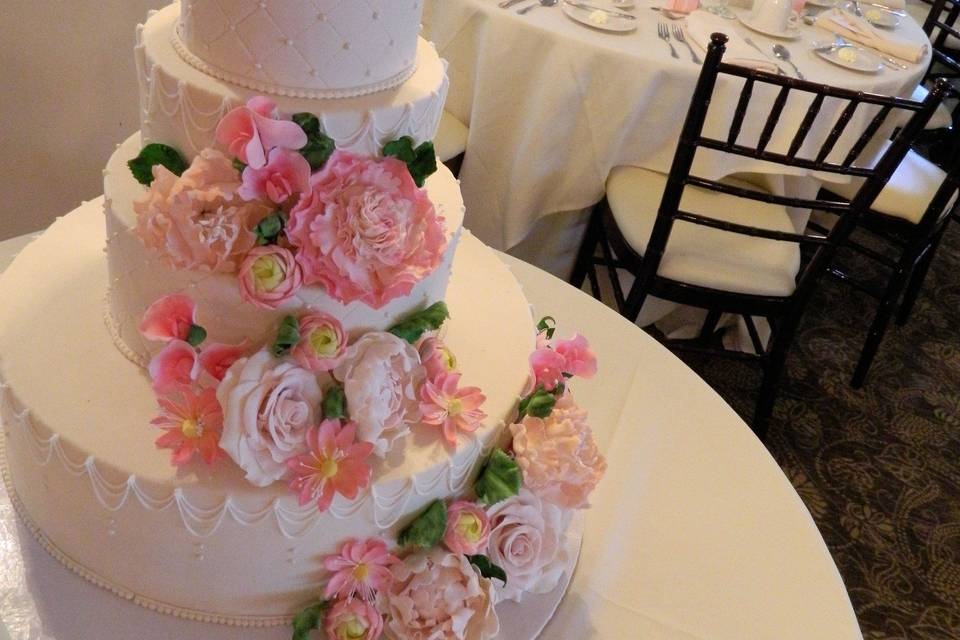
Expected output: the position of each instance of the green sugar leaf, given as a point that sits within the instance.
(319, 146)
(308, 122)
(427, 530)
(196, 335)
(547, 326)
(334, 403)
(420, 161)
(239, 165)
(269, 229)
(539, 404)
(153, 154)
(287, 336)
(499, 479)
(416, 324)
(488, 569)
(401, 149)
(308, 620)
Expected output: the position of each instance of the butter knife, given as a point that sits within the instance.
(609, 12)
(506, 4)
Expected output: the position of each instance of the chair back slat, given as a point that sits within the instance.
(939, 25)
(831, 206)
(773, 119)
(805, 125)
(838, 128)
(747, 230)
(740, 111)
(867, 136)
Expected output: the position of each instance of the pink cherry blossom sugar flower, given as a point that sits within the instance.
(169, 318)
(216, 358)
(548, 366)
(436, 357)
(251, 131)
(579, 359)
(191, 421)
(269, 276)
(322, 342)
(174, 366)
(468, 528)
(454, 409)
(361, 568)
(334, 463)
(286, 174)
(353, 620)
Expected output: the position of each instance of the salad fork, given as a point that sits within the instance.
(680, 37)
(664, 33)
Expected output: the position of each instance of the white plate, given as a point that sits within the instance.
(826, 4)
(599, 19)
(621, 4)
(853, 58)
(789, 34)
(880, 18)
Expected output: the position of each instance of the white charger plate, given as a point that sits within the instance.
(864, 61)
(789, 34)
(880, 18)
(611, 23)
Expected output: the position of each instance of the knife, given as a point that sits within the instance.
(508, 3)
(590, 7)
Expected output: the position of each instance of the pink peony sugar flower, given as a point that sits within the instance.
(269, 276)
(251, 131)
(352, 620)
(334, 463)
(361, 568)
(468, 528)
(216, 358)
(169, 318)
(444, 404)
(436, 357)
(578, 358)
(322, 342)
(191, 421)
(174, 366)
(365, 231)
(286, 174)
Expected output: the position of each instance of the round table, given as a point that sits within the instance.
(693, 534)
(553, 105)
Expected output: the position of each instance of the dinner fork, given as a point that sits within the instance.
(678, 34)
(542, 3)
(664, 32)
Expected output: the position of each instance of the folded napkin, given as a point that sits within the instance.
(859, 30)
(701, 24)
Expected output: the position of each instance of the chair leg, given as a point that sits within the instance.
(584, 264)
(885, 310)
(916, 281)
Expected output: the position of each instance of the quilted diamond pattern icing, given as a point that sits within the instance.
(293, 46)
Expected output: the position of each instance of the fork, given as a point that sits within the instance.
(664, 32)
(678, 34)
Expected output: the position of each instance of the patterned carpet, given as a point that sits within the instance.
(878, 468)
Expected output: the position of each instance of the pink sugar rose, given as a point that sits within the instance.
(352, 620)
(322, 342)
(579, 359)
(558, 455)
(174, 366)
(453, 408)
(439, 595)
(333, 463)
(191, 422)
(269, 276)
(286, 174)
(362, 567)
(250, 132)
(365, 231)
(468, 528)
(436, 357)
(198, 221)
(169, 318)
(216, 358)
(547, 366)
(526, 541)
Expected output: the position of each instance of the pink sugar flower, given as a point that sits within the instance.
(468, 528)
(169, 318)
(286, 174)
(216, 358)
(322, 342)
(436, 357)
(362, 567)
(269, 276)
(579, 358)
(175, 365)
(353, 620)
(548, 367)
(191, 421)
(334, 463)
(454, 409)
(250, 132)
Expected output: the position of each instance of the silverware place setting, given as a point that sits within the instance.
(542, 3)
(663, 31)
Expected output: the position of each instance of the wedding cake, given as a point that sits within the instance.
(280, 381)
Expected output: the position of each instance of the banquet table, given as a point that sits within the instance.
(553, 105)
(694, 534)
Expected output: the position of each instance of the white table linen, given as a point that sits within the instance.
(694, 534)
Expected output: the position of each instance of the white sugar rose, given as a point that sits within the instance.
(381, 376)
(527, 542)
(268, 406)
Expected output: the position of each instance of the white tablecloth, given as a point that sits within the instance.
(694, 534)
(553, 106)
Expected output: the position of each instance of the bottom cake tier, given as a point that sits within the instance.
(195, 541)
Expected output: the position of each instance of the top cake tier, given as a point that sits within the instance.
(303, 48)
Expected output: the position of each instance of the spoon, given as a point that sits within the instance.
(782, 53)
(543, 3)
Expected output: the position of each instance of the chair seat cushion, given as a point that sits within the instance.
(704, 256)
(451, 138)
(941, 118)
(908, 192)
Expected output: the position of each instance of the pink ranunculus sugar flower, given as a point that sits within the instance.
(322, 342)
(216, 357)
(578, 358)
(362, 567)
(468, 528)
(286, 174)
(547, 366)
(191, 421)
(436, 357)
(334, 463)
(269, 276)
(250, 132)
(352, 620)
(365, 231)
(169, 318)
(174, 366)
(453, 408)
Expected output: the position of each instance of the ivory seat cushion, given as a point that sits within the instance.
(941, 118)
(701, 255)
(451, 138)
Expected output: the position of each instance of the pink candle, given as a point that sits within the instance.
(681, 6)
(798, 6)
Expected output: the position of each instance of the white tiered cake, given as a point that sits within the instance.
(228, 541)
